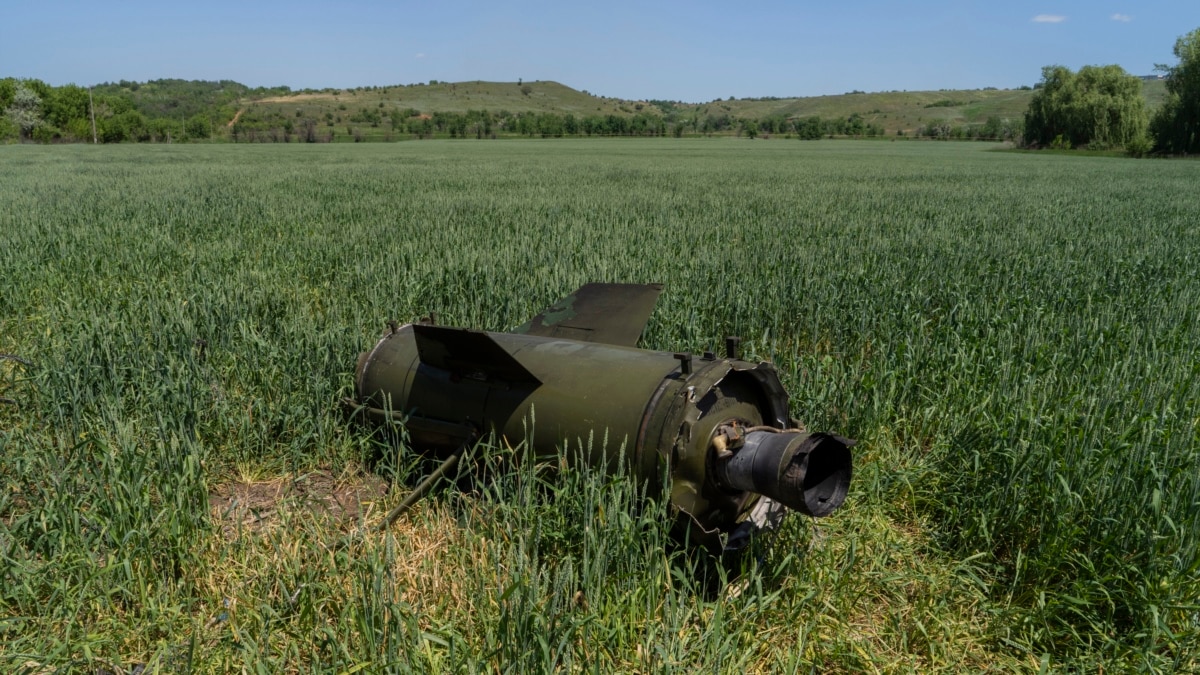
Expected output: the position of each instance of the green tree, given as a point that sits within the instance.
(66, 104)
(8, 88)
(809, 129)
(991, 129)
(1176, 126)
(7, 130)
(550, 125)
(125, 126)
(25, 111)
(197, 127)
(165, 130)
(1013, 130)
(1098, 106)
(855, 126)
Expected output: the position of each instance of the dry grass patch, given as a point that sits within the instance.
(241, 506)
(292, 98)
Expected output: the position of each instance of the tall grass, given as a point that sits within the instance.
(1012, 338)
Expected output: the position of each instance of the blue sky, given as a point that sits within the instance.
(688, 51)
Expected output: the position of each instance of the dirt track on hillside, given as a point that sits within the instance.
(297, 97)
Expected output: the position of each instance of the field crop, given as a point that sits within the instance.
(1012, 338)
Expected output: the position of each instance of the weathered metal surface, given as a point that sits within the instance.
(676, 420)
(613, 314)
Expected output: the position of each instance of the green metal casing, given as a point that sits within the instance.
(448, 384)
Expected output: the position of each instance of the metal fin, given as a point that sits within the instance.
(468, 353)
(612, 314)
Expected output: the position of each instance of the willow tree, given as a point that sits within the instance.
(1176, 125)
(1098, 106)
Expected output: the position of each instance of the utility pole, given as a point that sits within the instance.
(92, 108)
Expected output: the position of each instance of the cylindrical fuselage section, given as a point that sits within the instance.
(587, 393)
(654, 413)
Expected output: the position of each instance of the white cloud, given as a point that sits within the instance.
(420, 55)
(1049, 18)
(1123, 18)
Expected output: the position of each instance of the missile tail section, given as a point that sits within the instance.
(714, 430)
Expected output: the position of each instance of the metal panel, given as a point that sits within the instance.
(468, 353)
(612, 314)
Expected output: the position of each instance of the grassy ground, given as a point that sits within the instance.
(1011, 337)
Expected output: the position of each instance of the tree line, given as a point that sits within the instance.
(1101, 107)
(180, 110)
(1096, 107)
(994, 129)
(158, 110)
(273, 126)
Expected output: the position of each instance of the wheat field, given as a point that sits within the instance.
(1012, 338)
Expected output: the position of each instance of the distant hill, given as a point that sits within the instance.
(171, 110)
(892, 111)
(450, 97)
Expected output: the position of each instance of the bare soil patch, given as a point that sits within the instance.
(249, 506)
(296, 97)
